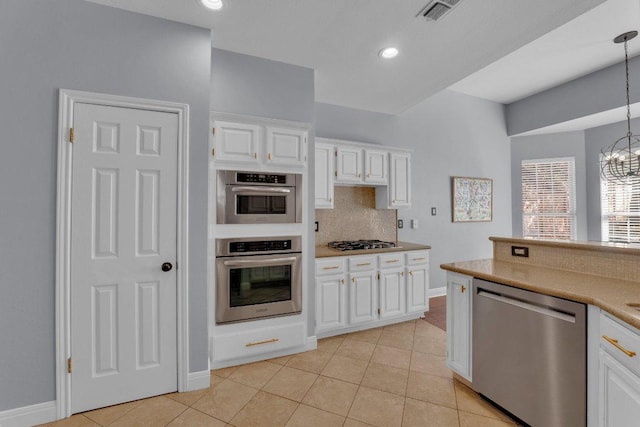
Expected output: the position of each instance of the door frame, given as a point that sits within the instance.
(67, 101)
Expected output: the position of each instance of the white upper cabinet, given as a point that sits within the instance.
(348, 164)
(324, 176)
(375, 167)
(236, 142)
(259, 144)
(398, 193)
(286, 146)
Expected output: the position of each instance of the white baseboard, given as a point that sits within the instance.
(29, 415)
(311, 343)
(197, 380)
(437, 292)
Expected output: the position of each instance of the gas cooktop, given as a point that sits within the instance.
(352, 245)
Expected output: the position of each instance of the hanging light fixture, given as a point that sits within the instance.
(621, 160)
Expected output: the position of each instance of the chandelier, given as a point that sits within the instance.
(621, 160)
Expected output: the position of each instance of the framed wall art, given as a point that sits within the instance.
(472, 199)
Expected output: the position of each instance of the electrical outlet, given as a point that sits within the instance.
(400, 223)
(433, 211)
(415, 223)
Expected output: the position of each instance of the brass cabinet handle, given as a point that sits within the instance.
(342, 281)
(359, 175)
(272, 340)
(410, 273)
(363, 264)
(402, 274)
(614, 342)
(463, 289)
(255, 155)
(392, 261)
(353, 280)
(418, 259)
(269, 156)
(333, 267)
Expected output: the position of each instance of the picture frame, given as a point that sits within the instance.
(472, 199)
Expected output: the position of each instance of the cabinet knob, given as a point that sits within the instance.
(342, 281)
(359, 175)
(255, 155)
(353, 280)
(463, 289)
(410, 273)
(269, 156)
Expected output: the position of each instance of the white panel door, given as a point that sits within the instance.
(400, 180)
(417, 286)
(459, 288)
(363, 297)
(286, 147)
(123, 228)
(619, 394)
(392, 292)
(375, 167)
(239, 142)
(330, 300)
(348, 164)
(324, 176)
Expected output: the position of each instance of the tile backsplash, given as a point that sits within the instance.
(355, 217)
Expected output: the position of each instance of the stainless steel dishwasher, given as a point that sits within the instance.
(529, 354)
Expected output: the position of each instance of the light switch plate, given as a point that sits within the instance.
(400, 223)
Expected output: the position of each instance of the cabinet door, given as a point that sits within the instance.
(459, 288)
(392, 292)
(619, 394)
(375, 167)
(237, 142)
(324, 176)
(400, 180)
(286, 146)
(330, 302)
(348, 164)
(417, 288)
(363, 297)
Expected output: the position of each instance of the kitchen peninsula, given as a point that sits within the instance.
(604, 277)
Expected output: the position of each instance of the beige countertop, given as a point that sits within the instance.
(621, 248)
(323, 251)
(611, 295)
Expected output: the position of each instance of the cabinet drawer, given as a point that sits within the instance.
(329, 266)
(626, 347)
(395, 259)
(262, 341)
(417, 258)
(362, 263)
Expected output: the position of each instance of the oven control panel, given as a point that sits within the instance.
(260, 246)
(261, 178)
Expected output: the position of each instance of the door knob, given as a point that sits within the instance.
(167, 266)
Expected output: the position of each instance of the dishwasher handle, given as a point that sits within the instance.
(528, 306)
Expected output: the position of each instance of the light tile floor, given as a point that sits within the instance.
(384, 377)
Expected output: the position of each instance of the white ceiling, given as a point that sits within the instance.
(340, 40)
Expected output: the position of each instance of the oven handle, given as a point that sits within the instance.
(261, 189)
(262, 262)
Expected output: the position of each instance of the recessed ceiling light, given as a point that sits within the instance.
(388, 52)
(211, 4)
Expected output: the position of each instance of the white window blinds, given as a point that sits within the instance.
(549, 198)
(620, 203)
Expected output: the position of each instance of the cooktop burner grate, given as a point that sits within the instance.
(352, 245)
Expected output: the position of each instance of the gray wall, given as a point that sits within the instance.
(567, 144)
(74, 44)
(594, 93)
(451, 135)
(244, 84)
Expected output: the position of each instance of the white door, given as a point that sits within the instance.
(324, 176)
(237, 142)
(348, 164)
(619, 394)
(392, 287)
(330, 299)
(375, 167)
(459, 326)
(123, 229)
(400, 180)
(363, 298)
(417, 285)
(286, 147)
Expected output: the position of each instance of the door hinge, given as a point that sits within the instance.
(213, 131)
(72, 135)
(69, 365)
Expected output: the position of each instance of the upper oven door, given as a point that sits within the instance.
(251, 204)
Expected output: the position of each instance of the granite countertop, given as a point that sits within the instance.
(323, 251)
(611, 295)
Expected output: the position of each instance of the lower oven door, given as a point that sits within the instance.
(249, 287)
(259, 204)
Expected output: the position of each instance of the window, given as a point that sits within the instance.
(620, 206)
(549, 198)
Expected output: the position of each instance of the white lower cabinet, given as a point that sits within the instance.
(618, 373)
(459, 292)
(357, 292)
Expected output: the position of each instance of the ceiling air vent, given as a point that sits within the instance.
(437, 9)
